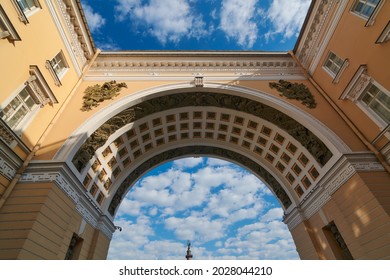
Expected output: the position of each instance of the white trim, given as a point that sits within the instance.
(385, 35)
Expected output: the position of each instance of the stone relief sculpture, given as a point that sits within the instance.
(198, 150)
(295, 91)
(94, 95)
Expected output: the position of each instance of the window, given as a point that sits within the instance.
(369, 95)
(7, 31)
(377, 101)
(25, 8)
(28, 5)
(18, 109)
(335, 66)
(34, 94)
(57, 67)
(364, 8)
(333, 63)
(385, 35)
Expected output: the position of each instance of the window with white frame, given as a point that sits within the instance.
(378, 101)
(334, 64)
(28, 5)
(35, 93)
(385, 35)
(369, 95)
(25, 8)
(7, 31)
(57, 67)
(17, 110)
(364, 8)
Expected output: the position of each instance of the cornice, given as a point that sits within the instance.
(162, 64)
(59, 174)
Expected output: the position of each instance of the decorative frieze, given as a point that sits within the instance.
(357, 84)
(77, 40)
(253, 65)
(6, 169)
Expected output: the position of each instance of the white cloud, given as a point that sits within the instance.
(168, 21)
(272, 214)
(238, 21)
(188, 162)
(202, 205)
(95, 20)
(196, 228)
(287, 17)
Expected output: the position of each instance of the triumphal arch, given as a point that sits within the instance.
(311, 123)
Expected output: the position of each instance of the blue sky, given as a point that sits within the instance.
(225, 211)
(269, 25)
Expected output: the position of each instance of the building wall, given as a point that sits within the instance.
(360, 217)
(356, 42)
(40, 41)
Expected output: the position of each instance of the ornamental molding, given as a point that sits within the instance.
(252, 66)
(59, 174)
(7, 167)
(357, 85)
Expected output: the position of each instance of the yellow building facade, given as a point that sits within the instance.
(80, 126)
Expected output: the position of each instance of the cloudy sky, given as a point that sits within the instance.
(195, 24)
(225, 211)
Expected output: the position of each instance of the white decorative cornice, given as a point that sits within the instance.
(357, 84)
(248, 65)
(59, 174)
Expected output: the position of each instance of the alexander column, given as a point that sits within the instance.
(189, 255)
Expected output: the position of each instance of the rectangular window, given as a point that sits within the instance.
(7, 31)
(333, 64)
(364, 8)
(377, 101)
(18, 109)
(25, 8)
(57, 67)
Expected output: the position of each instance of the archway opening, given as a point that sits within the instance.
(225, 210)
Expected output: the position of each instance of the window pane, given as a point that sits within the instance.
(24, 94)
(30, 102)
(367, 98)
(17, 117)
(382, 111)
(384, 99)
